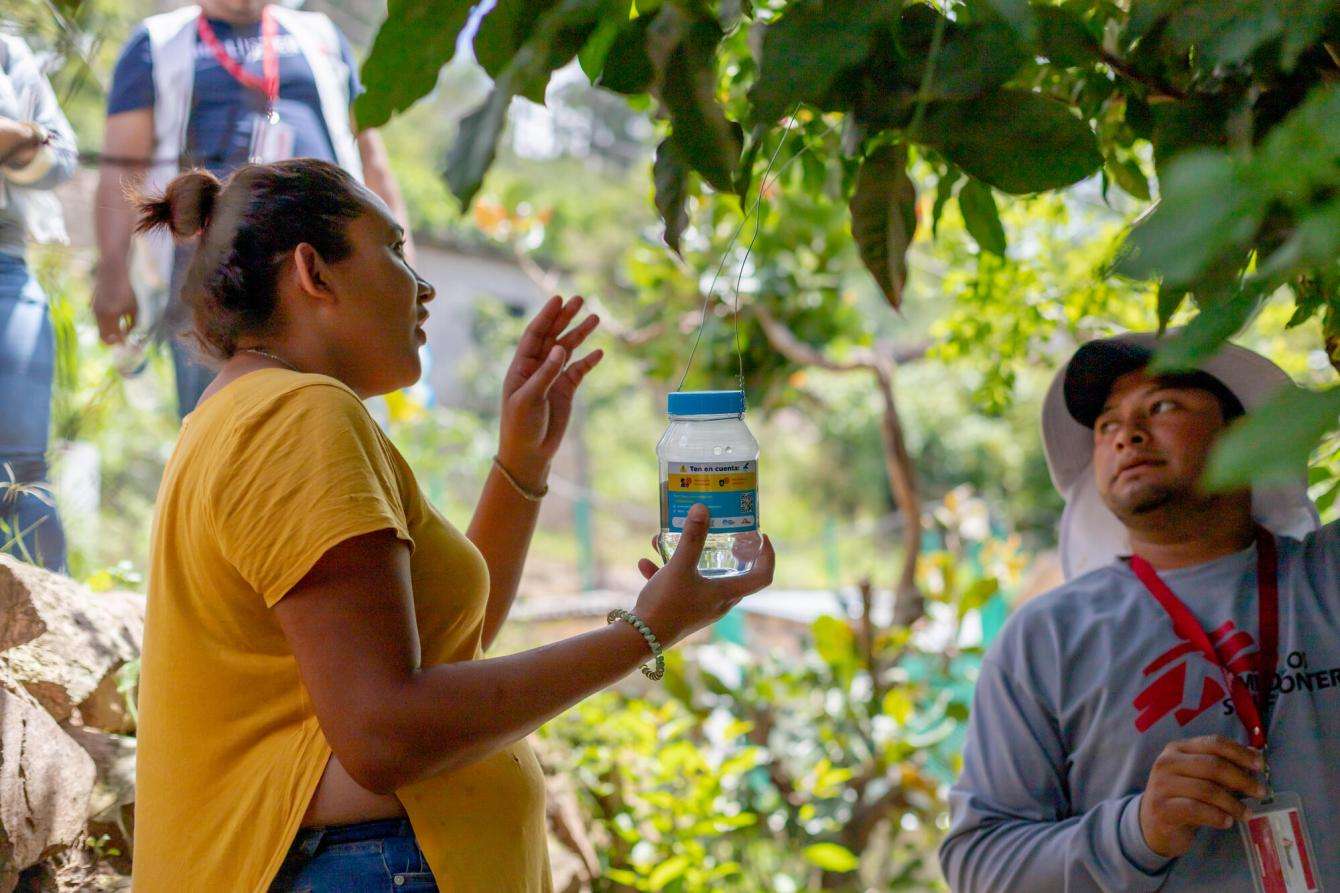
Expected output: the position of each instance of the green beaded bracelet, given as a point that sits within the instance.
(638, 624)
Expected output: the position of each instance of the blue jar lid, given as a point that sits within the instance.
(705, 403)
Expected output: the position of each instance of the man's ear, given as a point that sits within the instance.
(313, 275)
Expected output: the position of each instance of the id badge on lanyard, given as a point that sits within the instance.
(1279, 848)
(1274, 832)
(271, 138)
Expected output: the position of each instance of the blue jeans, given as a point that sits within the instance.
(369, 856)
(30, 528)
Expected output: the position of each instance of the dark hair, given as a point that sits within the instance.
(247, 227)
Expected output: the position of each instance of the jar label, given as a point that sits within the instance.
(728, 489)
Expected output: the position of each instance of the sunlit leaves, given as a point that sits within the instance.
(832, 857)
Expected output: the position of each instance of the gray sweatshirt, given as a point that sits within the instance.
(1088, 683)
(26, 95)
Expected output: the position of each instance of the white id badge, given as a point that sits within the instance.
(1279, 848)
(271, 140)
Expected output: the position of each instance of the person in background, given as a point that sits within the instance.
(215, 86)
(37, 151)
(1183, 681)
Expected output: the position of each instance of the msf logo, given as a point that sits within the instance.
(1185, 684)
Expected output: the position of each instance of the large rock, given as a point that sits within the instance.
(114, 761)
(84, 637)
(19, 619)
(107, 708)
(46, 780)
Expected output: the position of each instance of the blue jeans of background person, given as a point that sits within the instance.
(30, 528)
(192, 377)
(368, 856)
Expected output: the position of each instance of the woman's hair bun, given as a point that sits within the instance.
(185, 207)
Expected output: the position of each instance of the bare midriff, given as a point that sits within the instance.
(339, 800)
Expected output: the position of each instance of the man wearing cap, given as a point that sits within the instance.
(1121, 737)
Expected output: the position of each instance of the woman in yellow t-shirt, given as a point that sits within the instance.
(316, 712)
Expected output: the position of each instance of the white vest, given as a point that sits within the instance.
(172, 41)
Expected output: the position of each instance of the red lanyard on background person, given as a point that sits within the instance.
(268, 84)
(1251, 710)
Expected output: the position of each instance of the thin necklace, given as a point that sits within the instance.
(269, 356)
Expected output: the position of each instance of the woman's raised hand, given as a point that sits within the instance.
(539, 387)
(678, 601)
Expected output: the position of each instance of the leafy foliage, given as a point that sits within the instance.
(1234, 103)
(820, 770)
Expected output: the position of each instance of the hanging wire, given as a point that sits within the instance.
(763, 184)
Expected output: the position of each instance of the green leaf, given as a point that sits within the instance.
(592, 56)
(883, 218)
(1314, 242)
(744, 175)
(1204, 213)
(416, 40)
(807, 49)
(944, 191)
(1327, 498)
(1169, 302)
(669, 870)
(623, 876)
(1203, 336)
(977, 595)
(1272, 443)
(705, 137)
(834, 641)
(502, 32)
(476, 145)
(981, 217)
(670, 174)
(1227, 33)
(627, 67)
(1308, 299)
(972, 59)
(1018, 15)
(897, 705)
(832, 857)
(1064, 39)
(1014, 140)
(555, 39)
(1126, 173)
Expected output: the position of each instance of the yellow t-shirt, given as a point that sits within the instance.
(268, 474)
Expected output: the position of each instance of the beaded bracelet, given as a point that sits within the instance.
(641, 627)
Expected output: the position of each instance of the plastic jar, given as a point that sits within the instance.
(708, 455)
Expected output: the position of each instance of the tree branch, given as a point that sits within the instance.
(909, 604)
(1157, 89)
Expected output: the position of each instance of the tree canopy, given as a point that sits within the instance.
(1235, 107)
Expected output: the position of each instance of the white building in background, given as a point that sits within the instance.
(466, 276)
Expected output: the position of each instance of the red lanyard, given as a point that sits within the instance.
(268, 83)
(1250, 710)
